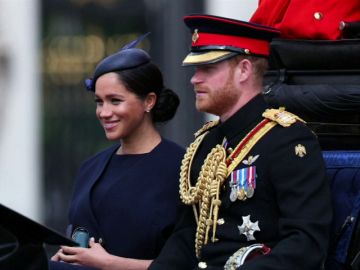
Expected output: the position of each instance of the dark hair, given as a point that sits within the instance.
(260, 64)
(145, 79)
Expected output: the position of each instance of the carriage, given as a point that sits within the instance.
(319, 80)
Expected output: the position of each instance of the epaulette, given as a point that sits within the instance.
(281, 116)
(206, 127)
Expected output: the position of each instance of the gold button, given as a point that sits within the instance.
(229, 150)
(202, 265)
(318, 16)
(220, 221)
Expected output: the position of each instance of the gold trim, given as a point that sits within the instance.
(206, 127)
(282, 117)
(213, 173)
(204, 57)
(252, 141)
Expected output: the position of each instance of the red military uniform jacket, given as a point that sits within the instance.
(312, 19)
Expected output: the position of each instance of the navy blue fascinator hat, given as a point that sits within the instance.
(128, 57)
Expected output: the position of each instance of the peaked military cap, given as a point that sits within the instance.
(217, 38)
(126, 58)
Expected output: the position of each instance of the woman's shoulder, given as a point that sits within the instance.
(101, 155)
(170, 148)
(167, 153)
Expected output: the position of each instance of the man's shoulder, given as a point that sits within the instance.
(289, 130)
(206, 127)
(282, 117)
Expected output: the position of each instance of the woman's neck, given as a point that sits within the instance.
(142, 143)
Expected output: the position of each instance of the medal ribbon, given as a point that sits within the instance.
(243, 178)
(234, 179)
(251, 177)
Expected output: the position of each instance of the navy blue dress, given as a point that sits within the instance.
(127, 201)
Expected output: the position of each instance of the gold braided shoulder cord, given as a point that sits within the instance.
(206, 192)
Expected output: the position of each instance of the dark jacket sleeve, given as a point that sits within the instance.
(179, 250)
(302, 194)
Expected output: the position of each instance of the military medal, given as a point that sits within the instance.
(250, 182)
(234, 186)
(241, 194)
(248, 228)
(249, 192)
(233, 194)
(243, 183)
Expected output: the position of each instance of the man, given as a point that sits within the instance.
(253, 182)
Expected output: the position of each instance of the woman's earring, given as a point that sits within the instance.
(147, 110)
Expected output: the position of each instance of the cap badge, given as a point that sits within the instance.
(248, 228)
(195, 36)
(300, 150)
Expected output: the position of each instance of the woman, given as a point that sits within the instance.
(126, 196)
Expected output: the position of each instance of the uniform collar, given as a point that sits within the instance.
(244, 119)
